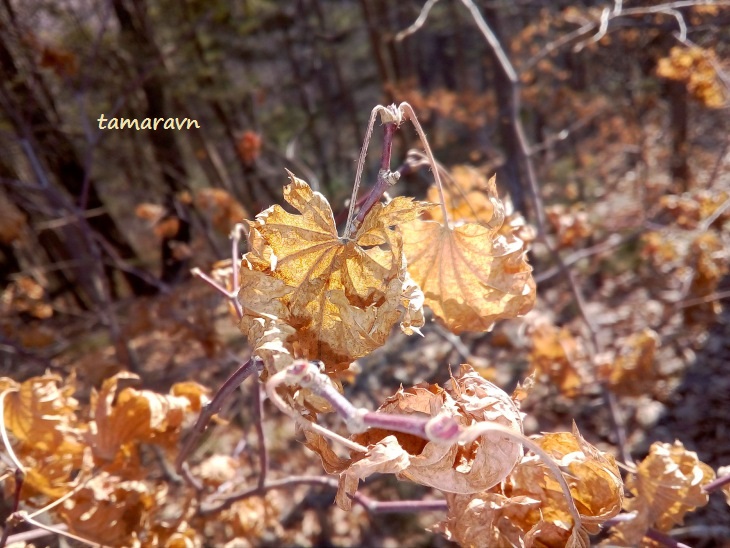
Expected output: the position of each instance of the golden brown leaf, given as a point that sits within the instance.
(593, 477)
(470, 197)
(341, 296)
(668, 484)
(696, 67)
(470, 275)
(553, 354)
(40, 411)
(123, 418)
(455, 468)
(109, 510)
(490, 520)
(632, 371)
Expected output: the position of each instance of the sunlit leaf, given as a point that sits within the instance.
(341, 296)
(668, 484)
(470, 275)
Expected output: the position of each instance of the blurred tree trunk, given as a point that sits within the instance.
(511, 174)
(678, 129)
(26, 112)
(150, 69)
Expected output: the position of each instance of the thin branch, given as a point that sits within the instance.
(214, 406)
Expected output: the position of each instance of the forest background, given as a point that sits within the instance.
(610, 135)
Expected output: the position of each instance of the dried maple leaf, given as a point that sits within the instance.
(455, 468)
(471, 275)
(668, 484)
(594, 481)
(341, 296)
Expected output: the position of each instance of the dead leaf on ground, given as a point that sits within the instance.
(123, 418)
(632, 371)
(553, 355)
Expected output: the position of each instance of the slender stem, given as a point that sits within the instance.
(406, 424)
(214, 406)
(716, 484)
(408, 109)
(4, 434)
(360, 166)
(258, 414)
(384, 175)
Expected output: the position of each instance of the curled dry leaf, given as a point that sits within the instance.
(471, 274)
(455, 468)
(490, 519)
(341, 296)
(668, 484)
(123, 418)
(594, 481)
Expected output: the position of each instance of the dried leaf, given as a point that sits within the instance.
(667, 485)
(593, 477)
(40, 411)
(470, 275)
(470, 197)
(217, 470)
(12, 221)
(456, 468)
(222, 208)
(123, 418)
(109, 510)
(553, 354)
(490, 519)
(342, 297)
(632, 371)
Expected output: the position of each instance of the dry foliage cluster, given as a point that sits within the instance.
(307, 293)
(90, 454)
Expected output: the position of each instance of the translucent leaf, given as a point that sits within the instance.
(470, 197)
(341, 296)
(470, 275)
(593, 477)
(668, 484)
(39, 410)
